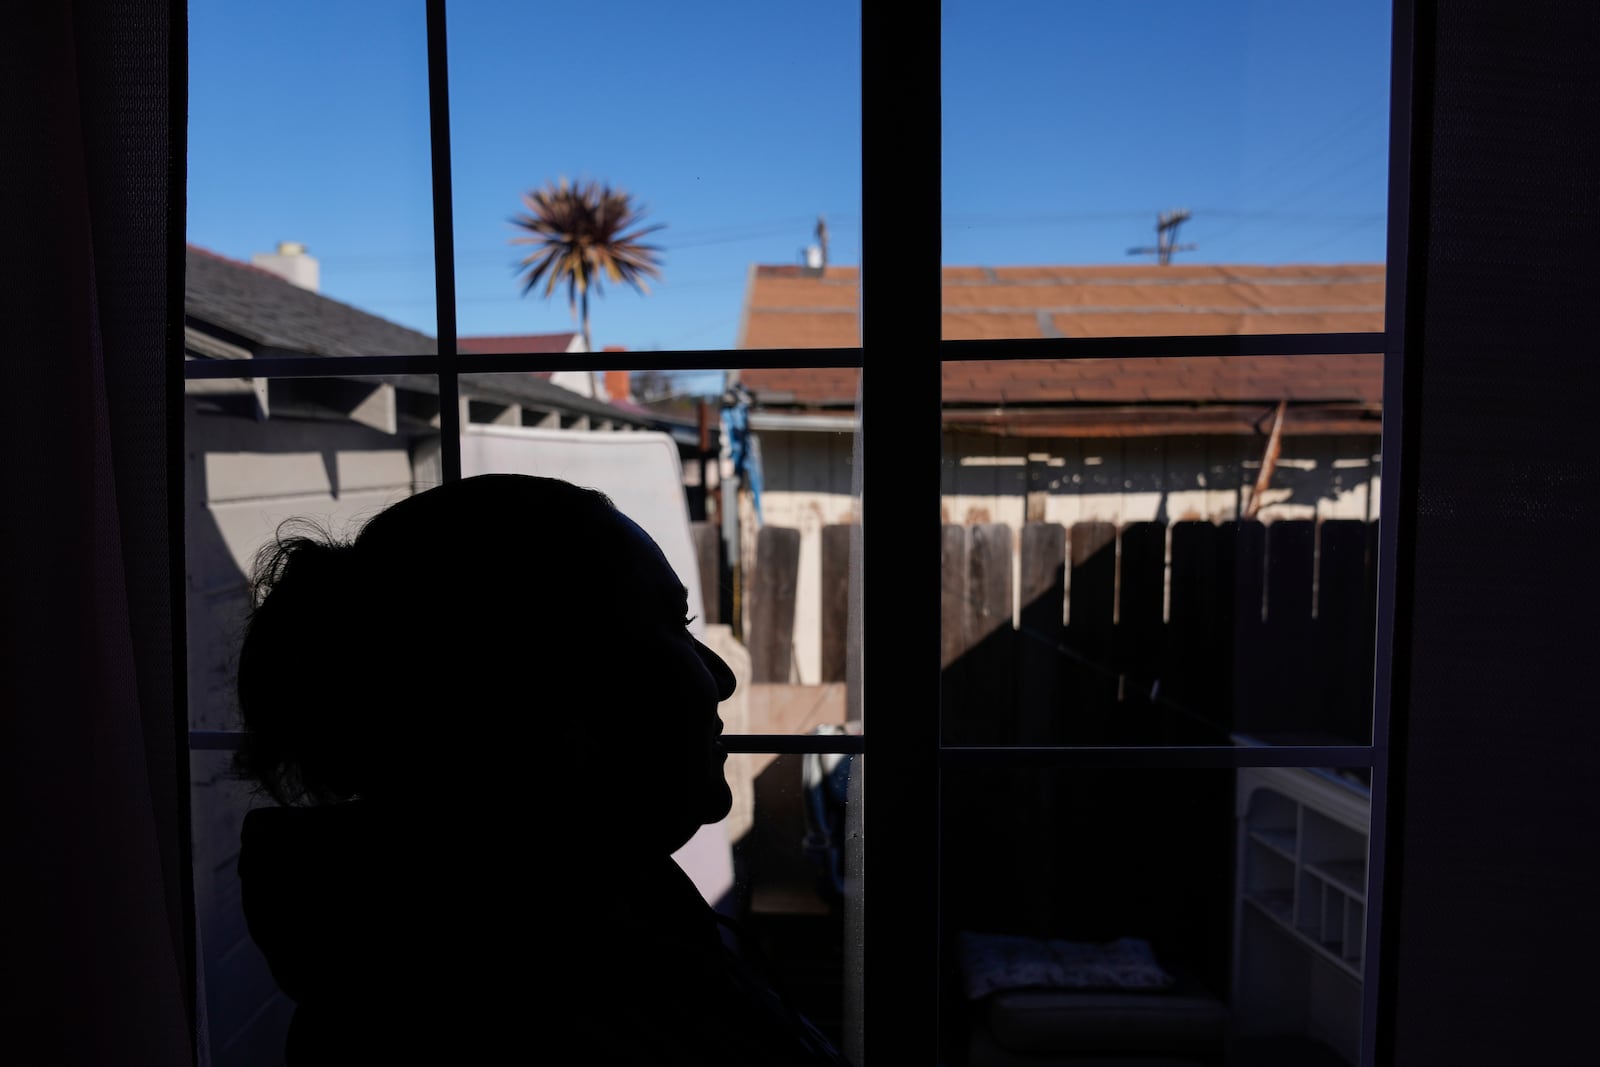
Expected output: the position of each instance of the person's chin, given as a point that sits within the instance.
(720, 802)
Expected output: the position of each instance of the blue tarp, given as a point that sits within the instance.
(744, 447)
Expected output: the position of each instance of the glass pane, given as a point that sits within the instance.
(736, 131)
(309, 158)
(795, 856)
(322, 456)
(765, 552)
(1160, 551)
(247, 1018)
(778, 866)
(1164, 168)
(1208, 916)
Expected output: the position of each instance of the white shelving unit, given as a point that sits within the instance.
(1300, 905)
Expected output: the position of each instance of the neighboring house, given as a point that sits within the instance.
(334, 451)
(581, 382)
(1116, 440)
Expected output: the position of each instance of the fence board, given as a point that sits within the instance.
(1241, 560)
(952, 625)
(990, 707)
(1282, 696)
(835, 594)
(1043, 588)
(1141, 592)
(952, 594)
(1194, 680)
(708, 557)
(772, 603)
(1091, 675)
(1341, 628)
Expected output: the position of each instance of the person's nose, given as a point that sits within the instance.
(720, 672)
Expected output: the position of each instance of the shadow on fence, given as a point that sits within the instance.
(1157, 634)
(1151, 634)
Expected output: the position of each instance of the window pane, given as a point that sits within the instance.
(1214, 916)
(795, 854)
(1160, 551)
(247, 1018)
(309, 158)
(736, 130)
(766, 552)
(321, 455)
(778, 866)
(1164, 168)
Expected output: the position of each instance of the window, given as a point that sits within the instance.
(387, 348)
(410, 405)
(1162, 602)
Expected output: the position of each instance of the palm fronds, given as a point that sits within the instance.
(582, 235)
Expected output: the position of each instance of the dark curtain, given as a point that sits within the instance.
(96, 928)
(1492, 893)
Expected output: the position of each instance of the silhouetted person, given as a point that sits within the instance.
(488, 728)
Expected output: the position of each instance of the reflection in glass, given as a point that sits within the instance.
(1160, 551)
(1212, 915)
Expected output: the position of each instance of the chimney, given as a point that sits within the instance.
(617, 385)
(291, 263)
(817, 255)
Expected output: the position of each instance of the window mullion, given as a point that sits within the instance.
(444, 255)
(900, 305)
(1396, 539)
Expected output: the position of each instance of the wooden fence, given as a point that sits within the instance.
(1147, 634)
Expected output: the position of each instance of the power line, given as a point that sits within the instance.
(970, 222)
(692, 237)
(1329, 135)
(1322, 180)
(1310, 218)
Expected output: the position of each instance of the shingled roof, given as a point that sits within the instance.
(515, 344)
(266, 311)
(791, 307)
(253, 309)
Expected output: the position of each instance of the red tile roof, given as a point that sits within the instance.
(512, 344)
(790, 307)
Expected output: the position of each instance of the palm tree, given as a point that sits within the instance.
(583, 234)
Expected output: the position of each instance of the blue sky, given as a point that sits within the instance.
(1068, 126)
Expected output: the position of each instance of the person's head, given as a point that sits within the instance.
(501, 639)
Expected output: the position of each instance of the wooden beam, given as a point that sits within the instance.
(1269, 462)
